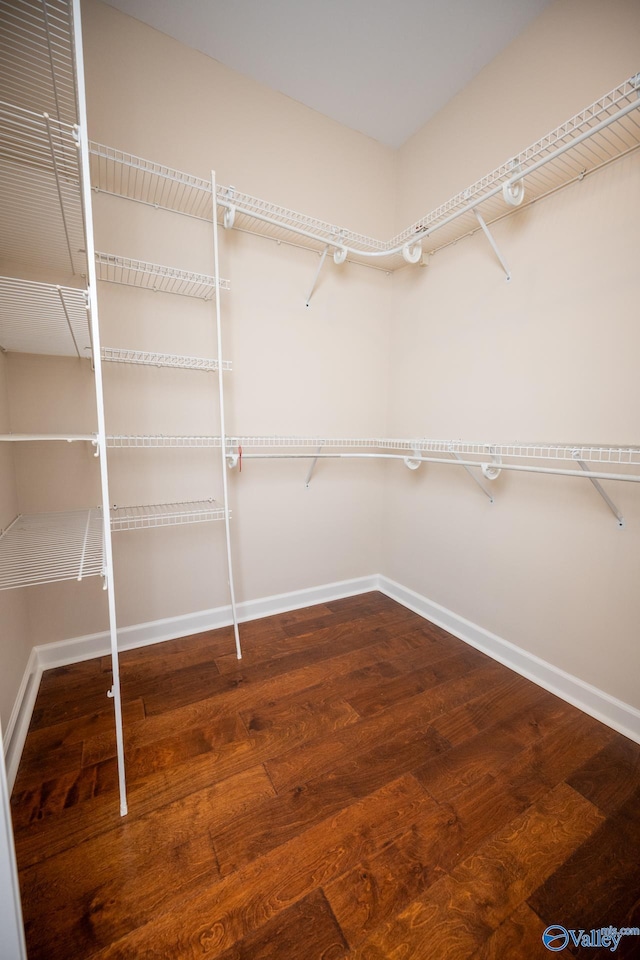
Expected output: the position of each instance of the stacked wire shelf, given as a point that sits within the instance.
(51, 547)
(165, 514)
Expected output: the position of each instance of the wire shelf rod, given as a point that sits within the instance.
(120, 355)
(157, 277)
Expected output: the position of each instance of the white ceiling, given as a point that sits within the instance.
(383, 67)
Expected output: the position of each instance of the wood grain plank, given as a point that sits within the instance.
(575, 894)
(517, 937)
(246, 900)
(459, 913)
(113, 882)
(417, 712)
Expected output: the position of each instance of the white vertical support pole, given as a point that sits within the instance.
(12, 944)
(223, 437)
(101, 439)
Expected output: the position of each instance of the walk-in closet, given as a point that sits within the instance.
(319, 499)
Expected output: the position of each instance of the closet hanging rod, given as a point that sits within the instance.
(523, 468)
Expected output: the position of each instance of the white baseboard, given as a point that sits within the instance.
(16, 731)
(616, 714)
(613, 712)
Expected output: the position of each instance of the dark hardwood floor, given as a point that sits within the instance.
(360, 785)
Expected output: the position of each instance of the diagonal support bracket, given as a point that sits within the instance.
(494, 245)
(323, 257)
(312, 467)
(457, 456)
(605, 496)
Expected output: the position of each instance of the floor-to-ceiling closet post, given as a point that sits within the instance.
(97, 360)
(223, 435)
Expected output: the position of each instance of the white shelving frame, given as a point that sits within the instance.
(92, 294)
(603, 132)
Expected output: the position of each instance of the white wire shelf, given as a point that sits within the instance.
(605, 131)
(118, 355)
(154, 276)
(43, 318)
(165, 514)
(570, 452)
(51, 547)
(42, 218)
(119, 441)
(31, 437)
(36, 56)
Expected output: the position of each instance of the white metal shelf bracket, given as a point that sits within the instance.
(605, 496)
(494, 245)
(475, 479)
(323, 257)
(307, 482)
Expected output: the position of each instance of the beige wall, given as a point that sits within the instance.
(549, 356)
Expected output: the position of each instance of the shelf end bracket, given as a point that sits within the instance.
(605, 496)
(323, 257)
(494, 245)
(457, 456)
(307, 482)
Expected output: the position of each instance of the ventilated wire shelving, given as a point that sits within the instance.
(51, 547)
(43, 318)
(145, 358)
(155, 276)
(160, 440)
(165, 514)
(37, 70)
(40, 192)
(605, 131)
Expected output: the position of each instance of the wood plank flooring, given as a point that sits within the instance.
(361, 785)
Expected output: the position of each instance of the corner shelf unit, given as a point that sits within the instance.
(603, 132)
